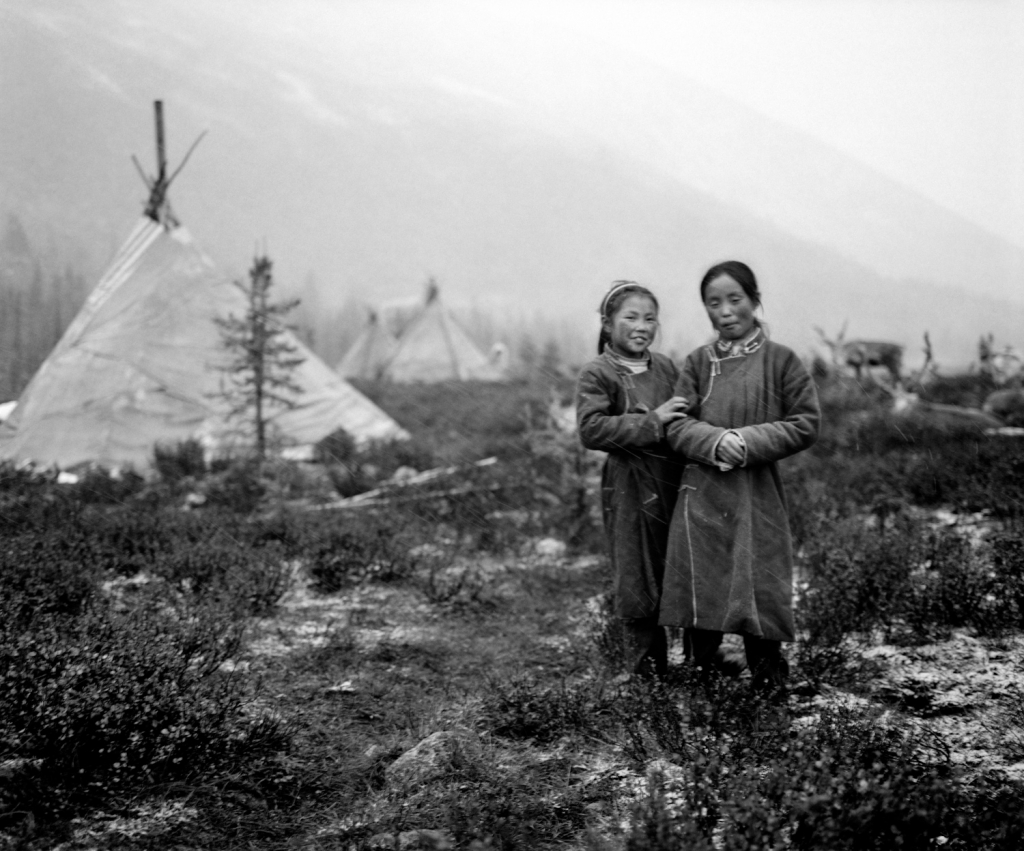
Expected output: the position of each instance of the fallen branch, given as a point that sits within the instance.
(390, 492)
(360, 500)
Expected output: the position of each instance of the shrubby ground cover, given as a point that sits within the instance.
(260, 669)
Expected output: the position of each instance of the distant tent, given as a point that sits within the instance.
(434, 348)
(398, 313)
(139, 365)
(370, 354)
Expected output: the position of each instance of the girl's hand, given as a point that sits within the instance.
(730, 449)
(673, 409)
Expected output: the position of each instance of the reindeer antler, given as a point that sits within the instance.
(916, 379)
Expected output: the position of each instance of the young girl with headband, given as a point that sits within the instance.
(730, 556)
(624, 402)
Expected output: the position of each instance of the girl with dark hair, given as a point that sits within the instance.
(729, 566)
(624, 401)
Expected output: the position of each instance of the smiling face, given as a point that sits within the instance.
(632, 327)
(730, 309)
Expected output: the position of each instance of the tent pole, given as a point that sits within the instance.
(161, 155)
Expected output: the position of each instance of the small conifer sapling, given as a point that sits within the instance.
(261, 367)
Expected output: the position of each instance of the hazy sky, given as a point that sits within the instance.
(929, 92)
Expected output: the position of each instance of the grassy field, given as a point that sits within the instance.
(440, 671)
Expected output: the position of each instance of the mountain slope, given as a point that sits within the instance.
(375, 176)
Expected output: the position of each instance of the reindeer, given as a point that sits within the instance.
(1007, 404)
(1004, 370)
(862, 354)
(907, 402)
(1003, 367)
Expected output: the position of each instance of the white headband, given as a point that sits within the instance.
(613, 290)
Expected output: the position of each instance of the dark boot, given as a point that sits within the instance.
(644, 646)
(768, 666)
(703, 646)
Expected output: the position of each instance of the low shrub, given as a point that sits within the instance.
(39, 505)
(104, 691)
(961, 586)
(881, 430)
(858, 580)
(1007, 553)
(471, 508)
(477, 509)
(524, 709)
(337, 448)
(55, 565)
(379, 459)
(970, 476)
(910, 582)
(666, 820)
(868, 454)
(235, 484)
(100, 486)
(482, 805)
(688, 717)
(845, 783)
(183, 460)
(351, 548)
(991, 816)
(506, 813)
(967, 389)
(15, 479)
(824, 489)
(348, 481)
(103, 701)
(54, 556)
(250, 580)
(40, 575)
(124, 540)
(545, 491)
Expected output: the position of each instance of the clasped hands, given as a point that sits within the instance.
(730, 450)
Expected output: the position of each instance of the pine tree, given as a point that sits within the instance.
(261, 368)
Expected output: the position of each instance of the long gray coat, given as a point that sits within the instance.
(730, 562)
(640, 478)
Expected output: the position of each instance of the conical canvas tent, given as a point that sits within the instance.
(434, 348)
(370, 354)
(139, 366)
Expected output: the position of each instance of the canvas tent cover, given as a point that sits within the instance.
(139, 366)
(370, 354)
(434, 348)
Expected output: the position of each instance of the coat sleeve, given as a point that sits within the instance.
(690, 437)
(599, 428)
(801, 422)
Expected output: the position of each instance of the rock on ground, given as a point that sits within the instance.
(432, 758)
